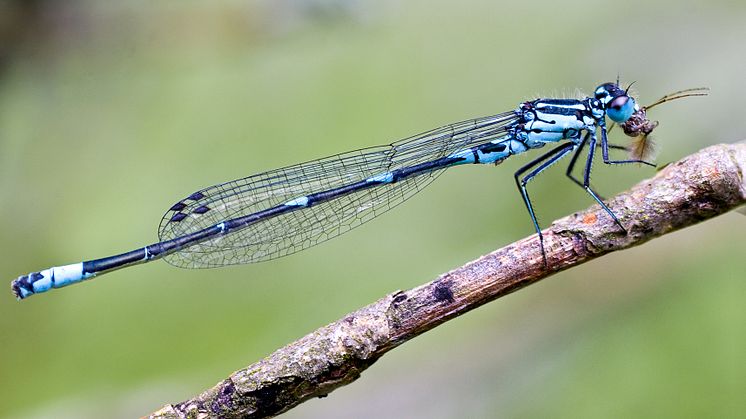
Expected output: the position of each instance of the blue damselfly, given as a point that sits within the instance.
(283, 211)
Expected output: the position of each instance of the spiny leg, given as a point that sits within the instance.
(543, 162)
(616, 147)
(587, 180)
(578, 152)
(605, 151)
(574, 159)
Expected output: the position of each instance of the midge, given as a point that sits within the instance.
(283, 211)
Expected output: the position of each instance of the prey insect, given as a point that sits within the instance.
(280, 212)
(639, 127)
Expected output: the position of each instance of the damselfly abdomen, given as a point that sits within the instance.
(283, 211)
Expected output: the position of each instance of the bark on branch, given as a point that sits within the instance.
(696, 188)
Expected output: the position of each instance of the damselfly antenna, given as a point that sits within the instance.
(639, 127)
(626, 91)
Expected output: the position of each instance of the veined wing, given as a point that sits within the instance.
(299, 229)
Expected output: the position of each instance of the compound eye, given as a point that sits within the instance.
(621, 108)
(618, 102)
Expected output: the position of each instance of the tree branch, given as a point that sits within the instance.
(696, 188)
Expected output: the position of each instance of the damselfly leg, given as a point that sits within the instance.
(605, 150)
(587, 176)
(578, 152)
(540, 164)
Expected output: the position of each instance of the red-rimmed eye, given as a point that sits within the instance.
(621, 108)
(618, 102)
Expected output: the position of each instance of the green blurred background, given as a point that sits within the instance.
(111, 111)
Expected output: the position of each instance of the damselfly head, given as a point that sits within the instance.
(618, 104)
(639, 127)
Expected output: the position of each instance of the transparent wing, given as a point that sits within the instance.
(297, 230)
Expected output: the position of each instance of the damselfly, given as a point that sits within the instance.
(283, 211)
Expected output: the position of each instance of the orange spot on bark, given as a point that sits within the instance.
(590, 218)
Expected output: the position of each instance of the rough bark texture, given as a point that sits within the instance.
(701, 186)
